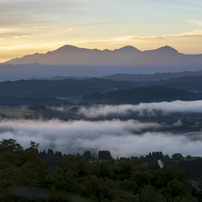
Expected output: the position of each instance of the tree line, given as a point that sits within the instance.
(30, 175)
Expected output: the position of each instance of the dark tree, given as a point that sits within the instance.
(104, 155)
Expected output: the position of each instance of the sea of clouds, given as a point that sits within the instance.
(142, 109)
(122, 138)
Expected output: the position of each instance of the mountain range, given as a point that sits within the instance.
(127, 56)
(81, 62)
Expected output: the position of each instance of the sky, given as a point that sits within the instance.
(27, 27)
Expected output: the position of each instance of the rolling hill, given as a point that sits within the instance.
(143, 94)
(94, 90)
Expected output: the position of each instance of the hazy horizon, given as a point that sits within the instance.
(27, 27)
(102, 49)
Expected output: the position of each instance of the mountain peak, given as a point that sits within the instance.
(67, 47)
(128, 48)
(167, 49)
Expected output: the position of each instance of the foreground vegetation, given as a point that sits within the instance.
(29, 175)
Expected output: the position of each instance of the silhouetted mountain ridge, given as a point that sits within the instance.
(74, 61)
(72, 55)
(165, 50)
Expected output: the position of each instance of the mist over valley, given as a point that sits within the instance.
(128, 114)
(125, 130)
(100, 101)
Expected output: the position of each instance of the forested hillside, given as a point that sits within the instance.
(27, 175)
(143, 94)
(87, 91)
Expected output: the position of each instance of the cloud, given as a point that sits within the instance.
(122, 138)
(142, 109)
(195, 22)
(195, 33)
(8, 32)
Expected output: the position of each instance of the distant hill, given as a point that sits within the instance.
(94, 90)
(77, 87)
(189, 83)
(39, 71)
(143, 94)
(151, 77)
(60, 88)
(73, 61)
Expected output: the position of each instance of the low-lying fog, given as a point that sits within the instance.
(141, 109)
(122, 137)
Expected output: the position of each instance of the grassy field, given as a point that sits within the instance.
(63, 108)
(16, 112)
